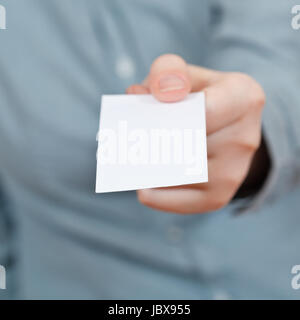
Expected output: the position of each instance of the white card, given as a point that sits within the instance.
(143, 143)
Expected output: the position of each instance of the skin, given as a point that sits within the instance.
(234, 104)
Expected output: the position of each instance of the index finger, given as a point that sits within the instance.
(228, 99)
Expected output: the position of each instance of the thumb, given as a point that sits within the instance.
(169, 79)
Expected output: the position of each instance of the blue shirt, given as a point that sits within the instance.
(58, 239)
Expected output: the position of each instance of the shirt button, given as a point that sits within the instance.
(125, 68)
(175, 234)
(221, 295)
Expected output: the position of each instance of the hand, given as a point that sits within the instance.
(234, 103)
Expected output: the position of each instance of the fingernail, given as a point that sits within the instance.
(171, 83)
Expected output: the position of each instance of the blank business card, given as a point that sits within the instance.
(144, 143)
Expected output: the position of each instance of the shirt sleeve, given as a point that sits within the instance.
(256, 37)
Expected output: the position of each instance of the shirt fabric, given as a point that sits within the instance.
(61, 240)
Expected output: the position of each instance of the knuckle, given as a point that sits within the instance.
(256, 94)
(250, 146)
(236, 78)
(251, 143)
(257, 97)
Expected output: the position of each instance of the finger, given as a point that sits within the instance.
(176, 200)
(137, 89)
(244, 134)
(228, 171)
(203, 77)
(199, 77)
(169, 79)
(229, 99)
(224, 181)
